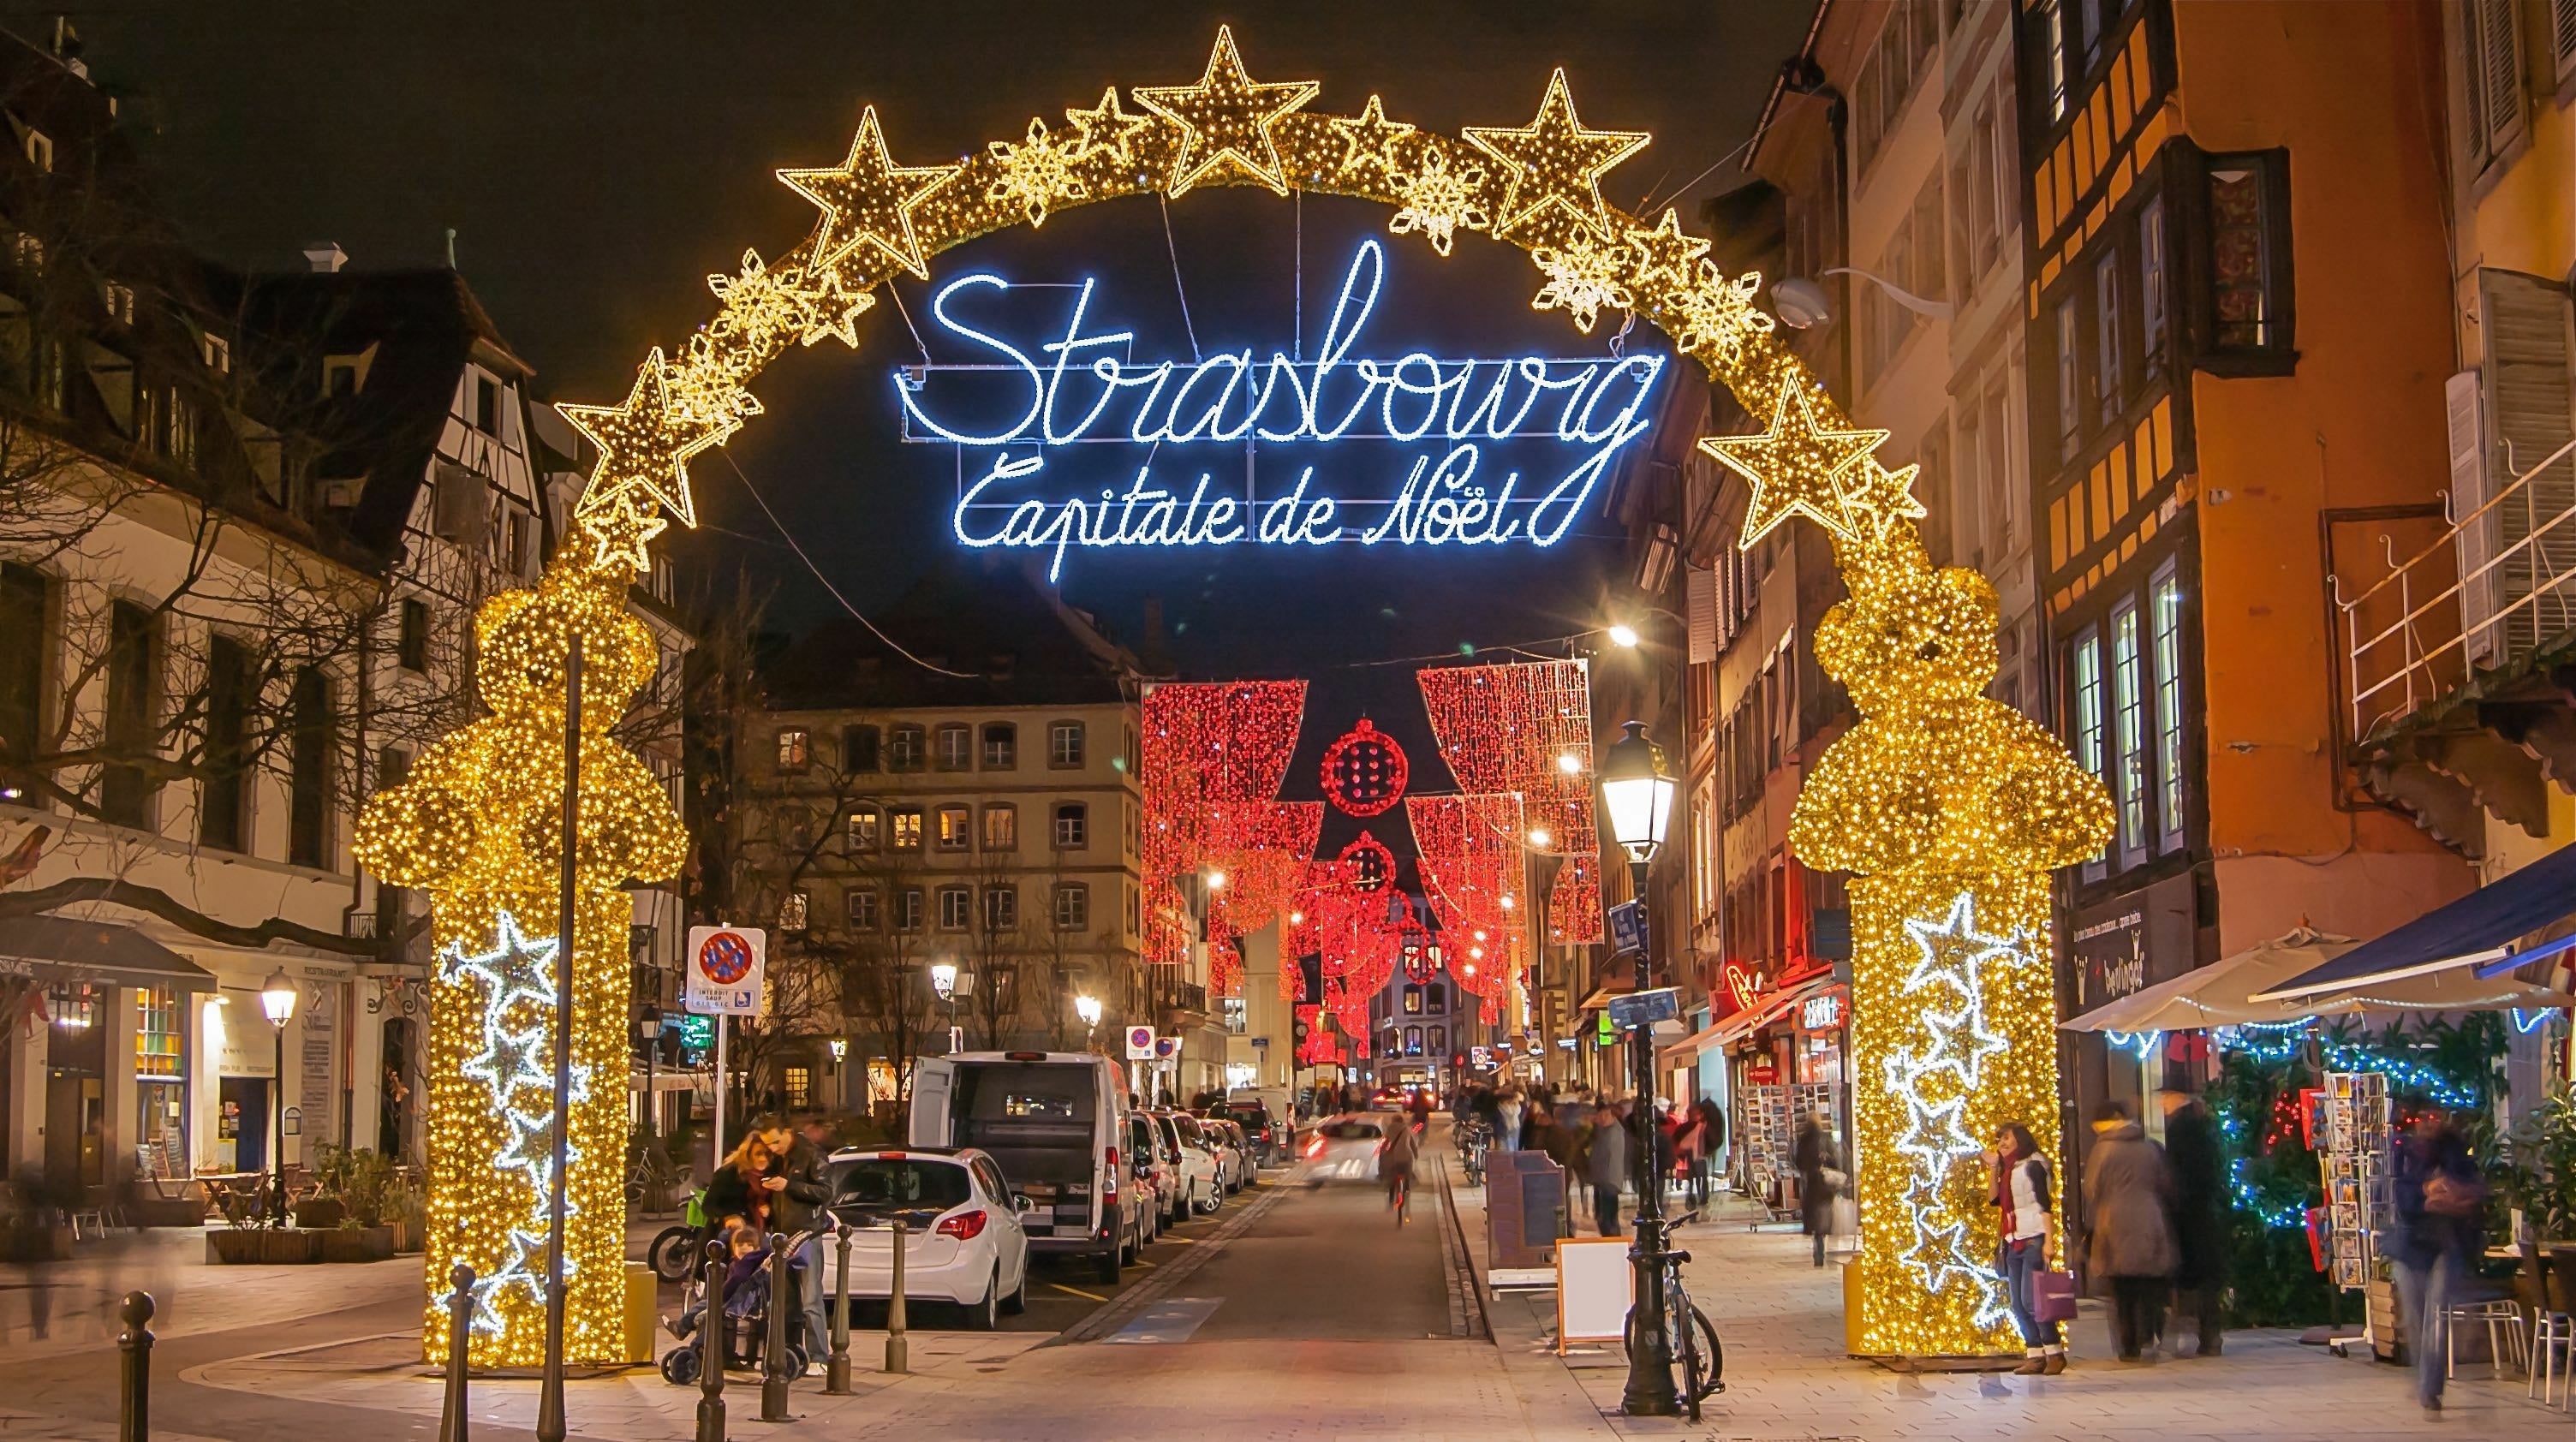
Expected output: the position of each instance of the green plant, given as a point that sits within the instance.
(2272, 1279)
(361, 1179)
(2533, 1167)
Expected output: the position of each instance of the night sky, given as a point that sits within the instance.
(597, 161)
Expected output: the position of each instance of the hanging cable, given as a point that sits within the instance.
(790, 536)
(897, 297)
(1173, 248)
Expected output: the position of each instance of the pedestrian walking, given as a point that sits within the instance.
(2199, 1216)
(1712, 1146)
(1820, 1177)
(805, 1186)
(2025, 1189)
(2128, 1193)
(1507, 1109)
(1568, 1143)
(1606, 1166)
(2440, 1202)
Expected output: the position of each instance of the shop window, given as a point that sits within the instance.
(156, 1032)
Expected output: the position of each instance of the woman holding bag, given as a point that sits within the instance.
(2024, 1189)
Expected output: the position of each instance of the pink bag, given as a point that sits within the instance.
(2053, 1296)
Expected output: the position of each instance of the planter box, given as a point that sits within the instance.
(166, 1212)
(263, 1246)
(358, 1244)
(320, 1212)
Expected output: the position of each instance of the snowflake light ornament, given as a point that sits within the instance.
(1584, 277)
(1438, 200)
(1037, 173)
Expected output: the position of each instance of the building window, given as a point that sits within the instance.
(907, 909)
(794, 749)
(2108, 371)
(798, 1084)
(1237, 1014)
(1072, 906)
(1001, 746)
(956, 747)
(956, 903)
(859, 749)
(40, 149)
(867, 829)
(906, 751)
(954, 828)
(1072, 825)
(2128, 733)
(133, 699)
(23, 650)
(2151, 281)
(2087, 714)
(1413, 1041)
(2249, 261)
(2165, 596)
(2070, 397)
(2055, 58)
(1001, 909)
(905, 823)
(791, 912)
(308, 839)
(1064, 743)
(1413, 1000)
(223, 811)
(1439, 1040)
(1001, 827)
(411, 647)
(487, 405)
(865, 907)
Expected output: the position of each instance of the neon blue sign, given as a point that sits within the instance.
(1015, 412)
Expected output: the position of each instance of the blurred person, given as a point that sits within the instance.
(2440, 1204)
(1395, 1158)
(739, 1193)
(1606, 1166)
(1820, 1177)
(805, 1186)
(1508, 1109)
(2025, 1190)
(1712, 1145)
(1569, 1145)
(2199, 1216)
(2128, 1193)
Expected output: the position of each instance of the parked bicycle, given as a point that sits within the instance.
(1699, 1361)
(675, 1250)
(1472, 1138)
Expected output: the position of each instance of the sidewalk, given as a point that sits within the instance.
(1780, 1321)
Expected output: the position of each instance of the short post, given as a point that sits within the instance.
(898, 1359)
(134, 1412)
(773, 1351)
(711, 1349)
(837, 1381)
(460, 1328)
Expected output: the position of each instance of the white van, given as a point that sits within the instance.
(1056, 1122)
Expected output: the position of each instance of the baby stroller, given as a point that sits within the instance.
(745, 1329)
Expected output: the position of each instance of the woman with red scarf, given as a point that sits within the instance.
(2023, 1190)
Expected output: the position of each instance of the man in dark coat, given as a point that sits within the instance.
(1820, 1178)
(2199, 1215)
(2127, 1201)
(799, 1207)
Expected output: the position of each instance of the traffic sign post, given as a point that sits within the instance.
(725, 977)
(1627, 928)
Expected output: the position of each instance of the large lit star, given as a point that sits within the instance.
(518, 968)
(1879, 498)
(645, 444)
(868, 199)
(1226, 118)
(620, 535)
(1665, 255)
(1555, 162)
(1108, 128)
(1953, 948)
(1794, 467)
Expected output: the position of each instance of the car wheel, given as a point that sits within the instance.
(1104, 1266)
(1018, 1302)
(1210, 1202)
(985, 1315)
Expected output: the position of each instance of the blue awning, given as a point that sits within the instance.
(2475, 930)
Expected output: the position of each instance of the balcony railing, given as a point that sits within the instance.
(2498, 584)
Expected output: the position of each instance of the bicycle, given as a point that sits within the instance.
(1472, 1139)
(674, 1250)
(1699, 1360)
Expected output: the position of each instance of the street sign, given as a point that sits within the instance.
(1481, 1058)
(1140, 1043)
(1166, 1047)
(1261, 1043)
(1645, 1008)
(1627, 928)
(725, 971)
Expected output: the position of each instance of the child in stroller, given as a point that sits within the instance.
(747, 1302)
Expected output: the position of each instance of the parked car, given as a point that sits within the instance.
(1267, 1124)
(963, 1242)
(1172, 1183)
(1157, 1180)
(1200, 1191)
(1344, 1149)
(1234, 1149)
(1055, 1123)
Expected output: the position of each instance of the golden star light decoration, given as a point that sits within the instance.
(1938, 797)
(868, 199)
(1555, 163)
(1227, 119)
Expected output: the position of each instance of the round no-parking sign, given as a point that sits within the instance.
(724, 970)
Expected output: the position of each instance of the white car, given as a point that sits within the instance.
(1345, 1149)
(1234, 1150)
(1201, 1188)
(963, 1241)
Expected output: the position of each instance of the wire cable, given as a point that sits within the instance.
(897, 297)
(1173, 248)
(790, 536)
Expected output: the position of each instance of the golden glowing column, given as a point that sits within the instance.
(478, 825)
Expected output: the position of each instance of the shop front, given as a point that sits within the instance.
(95, 1066)
(2114, 949)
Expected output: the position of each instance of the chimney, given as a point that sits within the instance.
(325, 257)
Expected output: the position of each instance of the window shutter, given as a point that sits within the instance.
(2524, 319)
(2462, 407)
(2562, 36)
(1700, 587)
(2500, 71)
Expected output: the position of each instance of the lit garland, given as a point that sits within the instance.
(1364, 771)
(1214, 757)
(1469, 851)
(477, 825)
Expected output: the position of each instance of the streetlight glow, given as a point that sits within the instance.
(1087, 1008)
(1569, 763)
(1216, 880)
(277, 998)
(1637, 792)
(943, 978)
(1624, 636)
(1540, 837)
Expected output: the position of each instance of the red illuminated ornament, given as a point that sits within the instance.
(1364, 770)
(1742, 983)
(1525, 728)
(1372, 866)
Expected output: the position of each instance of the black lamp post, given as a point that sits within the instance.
(277, 1001)
(1637, 800)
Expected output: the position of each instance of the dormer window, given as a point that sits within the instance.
(40, 149)
(119, 300)
(219, 354)
(340, 376)
(487, 405)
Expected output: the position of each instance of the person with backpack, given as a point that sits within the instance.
(2440, 1203)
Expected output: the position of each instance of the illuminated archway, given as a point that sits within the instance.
(1950, 808)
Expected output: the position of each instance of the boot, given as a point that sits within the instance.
(2032, 1365)
(2054, 1362)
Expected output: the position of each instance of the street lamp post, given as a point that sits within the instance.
(277, 999)
(1637, 797)
(943, 980)
(1087, 1007)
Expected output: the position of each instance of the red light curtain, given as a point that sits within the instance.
(1214, 755)
(1508, 729)
(1469, 851)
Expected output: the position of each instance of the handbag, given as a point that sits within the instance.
(2052, 1296)
(1834, 1181)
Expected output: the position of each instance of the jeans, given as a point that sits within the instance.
(2425, 1292)
(812, 1285)
(1605, 1209)
(2137, 1313)
(2023, 1262)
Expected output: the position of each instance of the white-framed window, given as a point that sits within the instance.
(866, 908)
(1072, 825)
(794, 748)
(1001, 746)
(1001, 909)
(1072, 906)
(908, 905)
(2164, 600)
(907, 748)
(956, 747)
(2128, 733)
(2070, 386)
(903, 824)
(1001, 827)
(2151, 280)
(956, 908)
(2085, 675)
(2109, 370)
(1064, 743)
(866, 829)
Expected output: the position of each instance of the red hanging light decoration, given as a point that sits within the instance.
(1364, 770)
(1469, 853)
(1525, 728)
(1214, 756)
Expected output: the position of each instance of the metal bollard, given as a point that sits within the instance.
(837, 1381)
(135, 1409)
(711, 1349)
(460, 1324)
(898, 1359)
(773, 1350)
